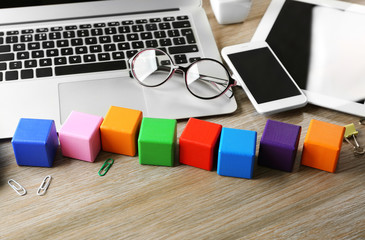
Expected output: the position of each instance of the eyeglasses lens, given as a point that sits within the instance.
(151, 67)
(207, 79)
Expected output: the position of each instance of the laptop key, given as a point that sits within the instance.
(71, 27)
(91, 40)
(118, 38)
(124, 29)
(131, 53)
(26, 38)
(118, 55)
(146, 35)
(48, 44)
(74, 59)
(182, 17)
(151, 27)
(103, 56)
(55, 35)
(153, 20)
(18, 47)
(83, 33)
(151, 43)
(40, 37)
(2, 66)
(60, 60)
(44, 72)
(67, 51)
(90, 67)
(96, 32)
(12, 33)
(22, 55)
(15, 65)
(89, 58)
(183, 49)
(4, 48)
(124, 46)
(52, 53)
(81, 50)
(26, 74)
(165, 42)
(45, 62)
(37, 54)
(173, 33)
(110, 30)
(34, 46)
(137, 28)
(62, 43)
(12, 39)
(181, 24)
(30, 63)
(1, 76)
(55, 29)
(137, 45)
(11, 75)
(77, 42)
(7, 57)
(188, 33)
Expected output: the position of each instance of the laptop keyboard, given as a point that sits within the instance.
(91, 47)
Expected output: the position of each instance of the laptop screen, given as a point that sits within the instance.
(29, 3)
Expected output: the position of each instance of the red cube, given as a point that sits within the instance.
(199, 143)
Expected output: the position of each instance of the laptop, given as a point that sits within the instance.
(62, 56)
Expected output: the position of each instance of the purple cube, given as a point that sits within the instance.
(279, 145)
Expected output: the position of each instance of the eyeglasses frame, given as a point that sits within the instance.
(184, 70)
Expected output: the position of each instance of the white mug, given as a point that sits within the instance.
(231, 11)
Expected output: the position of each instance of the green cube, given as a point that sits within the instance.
(157, 141)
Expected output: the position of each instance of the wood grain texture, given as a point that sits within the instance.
(147, 202)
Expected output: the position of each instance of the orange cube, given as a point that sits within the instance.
(322, 145)
(119, 130)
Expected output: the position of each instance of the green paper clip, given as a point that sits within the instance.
(105, 168)
(350, 131)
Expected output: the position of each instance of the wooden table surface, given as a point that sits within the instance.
(148, 202)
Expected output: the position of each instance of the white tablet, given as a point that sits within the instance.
(322, 45)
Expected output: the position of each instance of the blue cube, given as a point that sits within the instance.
(236, 154)
(35, 142)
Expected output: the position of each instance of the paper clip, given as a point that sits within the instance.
(17, 187)
(362, 121)
(105, 168)
(44, 186)
(352, 132)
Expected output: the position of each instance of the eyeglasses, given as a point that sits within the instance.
(153, 67)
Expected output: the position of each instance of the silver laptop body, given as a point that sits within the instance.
(54, 97)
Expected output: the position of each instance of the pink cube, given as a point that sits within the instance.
(80, 136)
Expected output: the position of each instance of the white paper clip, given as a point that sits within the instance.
(44, 185)
(17, 187)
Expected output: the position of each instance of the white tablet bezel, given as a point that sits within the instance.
(326, 101)
(271, 107)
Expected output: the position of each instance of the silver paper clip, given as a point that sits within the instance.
(44, 186)
(362, 121)
(352, 132)
(19, 189)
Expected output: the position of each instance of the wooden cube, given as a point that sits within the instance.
(236, 154)
(119, 130)
(80, 136)
(199, 143)
(35, 142)
(279, 145)
(157, 141)
(322, 145)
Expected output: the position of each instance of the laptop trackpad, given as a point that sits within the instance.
(96, 96)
